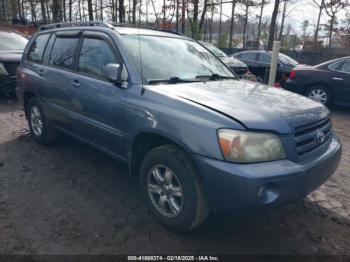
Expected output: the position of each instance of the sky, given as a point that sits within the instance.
(297, 13)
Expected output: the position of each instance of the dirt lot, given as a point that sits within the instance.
(70, 199)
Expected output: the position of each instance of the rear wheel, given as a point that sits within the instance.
(320, 94)
(172, 189)
(39, 127)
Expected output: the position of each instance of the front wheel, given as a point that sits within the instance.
(172, 189)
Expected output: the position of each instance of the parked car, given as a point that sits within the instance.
(11, 48)
(327, 83)
(259, 63)
(237, 66)
(198, 139)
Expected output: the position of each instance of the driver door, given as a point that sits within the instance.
(100, 102)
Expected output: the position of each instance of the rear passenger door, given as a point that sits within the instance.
(100, 102)
(35, 67)
(60, 92)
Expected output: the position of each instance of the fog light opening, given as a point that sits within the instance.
(268, 193)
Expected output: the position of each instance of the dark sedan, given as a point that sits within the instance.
(11, 49)
(237, 66)
(259, 63)
(327, 83)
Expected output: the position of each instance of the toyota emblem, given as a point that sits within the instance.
(320, 137)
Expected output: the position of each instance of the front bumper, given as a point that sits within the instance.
(232, 186)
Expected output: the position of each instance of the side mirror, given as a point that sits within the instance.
(116, 73)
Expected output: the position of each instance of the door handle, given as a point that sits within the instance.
(75, 83)
(338, 78)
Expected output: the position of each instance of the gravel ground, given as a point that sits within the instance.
(70, 199)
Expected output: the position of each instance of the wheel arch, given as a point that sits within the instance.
(27, 95)
(323, 84)
(143, 142)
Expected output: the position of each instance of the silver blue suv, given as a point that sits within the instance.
(198, 139)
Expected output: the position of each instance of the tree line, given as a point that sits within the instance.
(199, 19)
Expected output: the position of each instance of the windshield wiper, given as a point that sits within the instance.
(172, 80)
(215, 77)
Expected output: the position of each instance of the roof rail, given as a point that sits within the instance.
(170, 31)
(72, 24)
(144, 27)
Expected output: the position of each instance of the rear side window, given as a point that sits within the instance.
(345, 67)
(95, 54)
(342, 66)
(37, 48)
(249, 56)
(63, 52)
(264, 58)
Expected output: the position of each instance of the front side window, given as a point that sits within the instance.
(158, 57)
(95, 54)
(36, 50)
(63, 52)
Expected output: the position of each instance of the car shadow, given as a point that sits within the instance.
(71, 199)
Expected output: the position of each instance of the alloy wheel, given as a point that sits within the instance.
(318, 95)
(165, 191)
(36, 121)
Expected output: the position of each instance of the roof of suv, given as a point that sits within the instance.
(123, 29)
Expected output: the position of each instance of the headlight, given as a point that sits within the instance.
(247, 147)
(3, 71)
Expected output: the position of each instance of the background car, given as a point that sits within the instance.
(327, 83)
(237, 66)
(259, 63)
(11, 49)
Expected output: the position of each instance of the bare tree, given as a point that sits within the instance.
(262, 5)
(332, 8)
(121, 11)
(320, 5)
(232, 21)
(134, 4)
(196, 24)
(247, 4)
(273, 24)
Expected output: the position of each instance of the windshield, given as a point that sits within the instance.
(287, 60)
(12, 41)
(216, 51)
(172, 58)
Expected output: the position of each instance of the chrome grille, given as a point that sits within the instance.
(308, 138)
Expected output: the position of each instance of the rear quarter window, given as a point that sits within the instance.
(37, 48)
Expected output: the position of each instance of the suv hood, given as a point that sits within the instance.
(253, 105)
(10, 56)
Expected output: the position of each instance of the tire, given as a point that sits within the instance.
(319, 91)
(192, 205)
(36, 117)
